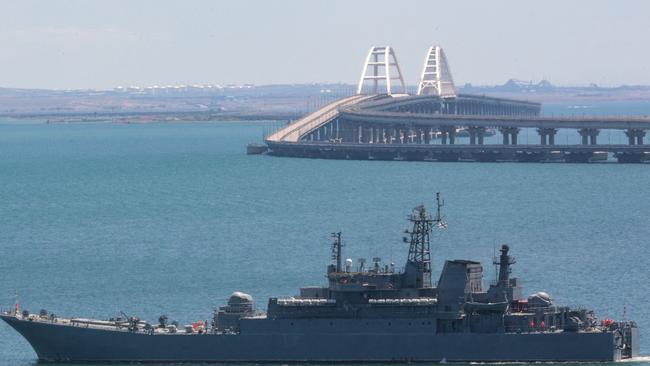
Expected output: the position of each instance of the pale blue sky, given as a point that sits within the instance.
(103, 44)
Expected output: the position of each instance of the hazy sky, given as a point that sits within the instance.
(103, 44)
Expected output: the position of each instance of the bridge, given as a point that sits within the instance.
(383, 122)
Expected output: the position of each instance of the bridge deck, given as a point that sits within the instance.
(423, 119)
(312, 121)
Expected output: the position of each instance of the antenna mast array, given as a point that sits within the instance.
(336, 251)
(379, 62)
(420, 246)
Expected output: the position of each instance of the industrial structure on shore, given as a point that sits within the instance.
(383, 122)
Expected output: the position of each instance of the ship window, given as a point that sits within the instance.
(291, 323)
(331, 324)
(389, 323)
(410, 324)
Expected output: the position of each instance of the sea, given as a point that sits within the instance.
(171, 218)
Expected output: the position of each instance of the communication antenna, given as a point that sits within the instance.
(494, 263)
(336, 250)
(439, 220)
(362, 262)
(16, 304)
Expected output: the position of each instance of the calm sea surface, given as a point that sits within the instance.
(172, 218)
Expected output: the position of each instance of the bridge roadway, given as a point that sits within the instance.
(314, 120)
(401, 127)
(436, 120)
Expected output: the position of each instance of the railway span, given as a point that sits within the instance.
(383, 122)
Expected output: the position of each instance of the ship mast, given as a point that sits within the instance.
(420, 248)
(504, 262)
(336, 251)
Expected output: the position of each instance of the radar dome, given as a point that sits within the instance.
(239, 298)
(541, 298)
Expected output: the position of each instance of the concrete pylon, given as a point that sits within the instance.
(435, 78)
(381, 66)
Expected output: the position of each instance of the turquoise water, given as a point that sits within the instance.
(172, 218)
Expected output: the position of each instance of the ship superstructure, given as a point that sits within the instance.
(368, 312)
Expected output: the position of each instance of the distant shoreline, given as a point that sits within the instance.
(251, 103)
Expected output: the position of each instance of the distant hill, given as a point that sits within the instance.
(545, 86)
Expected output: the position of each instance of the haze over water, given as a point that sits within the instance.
(172, 218)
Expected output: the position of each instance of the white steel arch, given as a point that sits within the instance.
(379, 62)
(436, 77)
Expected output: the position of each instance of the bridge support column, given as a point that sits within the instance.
(509, 135)
(476, 133)
(448, 132)
(635, 136)
(589, 135)
(592, 136)
(427, 136)
(414, 136)
(547, 136)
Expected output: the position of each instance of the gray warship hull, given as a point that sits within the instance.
(367, 314)
(330, 340)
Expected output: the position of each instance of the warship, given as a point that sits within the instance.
(376, 313)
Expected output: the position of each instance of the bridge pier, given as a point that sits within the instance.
(509, 135)
(476, 133)
(635, 136)
(547, 136)
(448, 132)
(589, 135)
